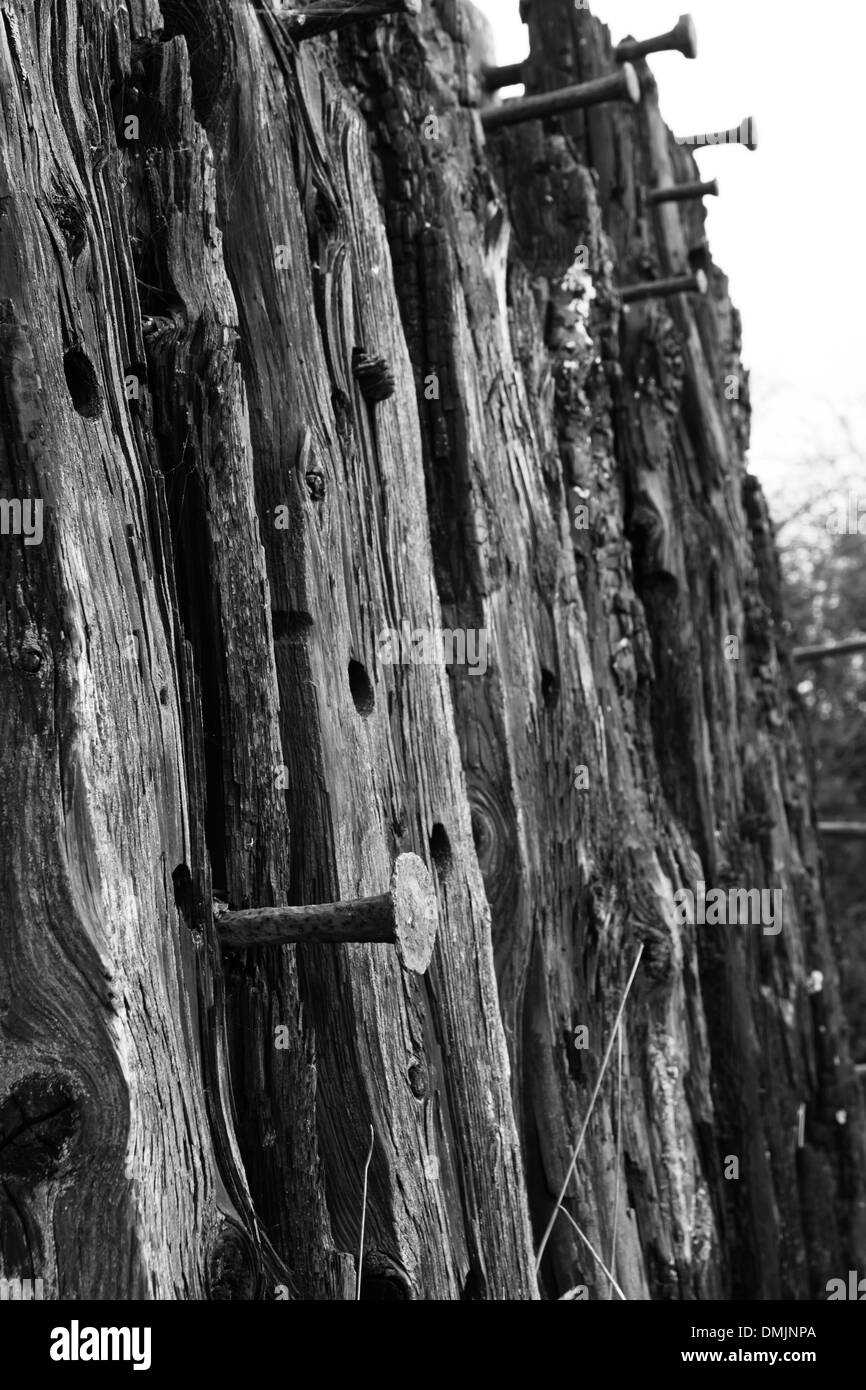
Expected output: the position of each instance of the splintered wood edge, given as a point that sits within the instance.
(416, 912)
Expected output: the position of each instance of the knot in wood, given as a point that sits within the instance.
(39, 1121)
(418, 1083)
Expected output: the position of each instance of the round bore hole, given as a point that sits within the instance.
(440, 850)
(82, 383)
(549, 688)
(362, 690)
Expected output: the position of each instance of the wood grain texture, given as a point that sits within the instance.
(297, 358)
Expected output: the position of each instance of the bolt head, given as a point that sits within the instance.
(687, 36)
(416, 912)
(702, 284)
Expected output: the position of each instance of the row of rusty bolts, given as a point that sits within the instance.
(623, 84)
(407, 915)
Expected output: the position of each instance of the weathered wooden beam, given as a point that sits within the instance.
(843, 829)
(406, 917)
(682, 38)
(616, 86)
(509, 75)
(325, 16)
(677, 284)
(682, 192)
(830, 649)
(746, 133)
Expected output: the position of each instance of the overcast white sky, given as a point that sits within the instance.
(788, 227)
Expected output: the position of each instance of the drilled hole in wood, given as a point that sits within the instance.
(362, 690)
(549, 688)
(39, 1121)
(440, 850)
(82, 382)
(182, 880)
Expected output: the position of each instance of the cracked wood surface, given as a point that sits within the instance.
(196, 705)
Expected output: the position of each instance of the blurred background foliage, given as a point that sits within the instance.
(825, 592)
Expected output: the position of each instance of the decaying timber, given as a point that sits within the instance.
(290, 356)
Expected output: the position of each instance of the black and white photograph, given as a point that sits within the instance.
(432, 675)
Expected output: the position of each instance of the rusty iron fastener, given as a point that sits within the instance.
(682, 38)
(406, 917)
(324, 16)
(509, 75)
(677, 284)
(616, 86)
(746, 133)
(682, 192)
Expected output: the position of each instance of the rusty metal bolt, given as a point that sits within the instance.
(406, 917)
(616, 86)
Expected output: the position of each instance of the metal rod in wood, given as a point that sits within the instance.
(509, 75)
(622, 85)
(682, 38)
(746, 133)
(830, 649)
(406, 917)
(842, 829)
(325, 16)
(677, 284)
(682, 192)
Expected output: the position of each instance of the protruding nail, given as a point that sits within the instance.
(406, 917)
(324, 16)
(655, 289)
(842, 829)
(746, 133)
(683, 38)
(682, 192)
(617, 86)
(510, 75)
(848, 647)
